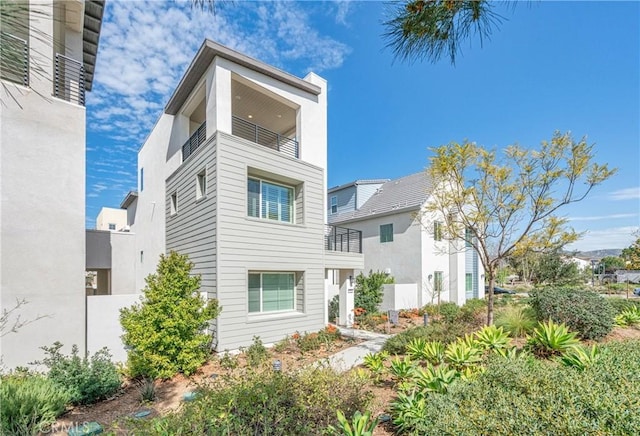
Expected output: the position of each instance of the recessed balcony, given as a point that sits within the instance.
(69, 82)
(14, 59)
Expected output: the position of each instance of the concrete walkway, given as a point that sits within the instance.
(354, 356)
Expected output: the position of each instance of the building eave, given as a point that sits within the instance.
(129, 199)
(93, 13)
(208, 51)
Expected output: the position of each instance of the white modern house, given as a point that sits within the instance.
(47, 53)
(234, 175)
(399, 238)
(112, 219)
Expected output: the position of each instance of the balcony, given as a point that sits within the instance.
(342, 239)
(254, 133)
(14, 59)
(69, 82)
(195, 141)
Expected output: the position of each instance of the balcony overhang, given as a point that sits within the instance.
(343, 260)
(93, 12)
(207, 53)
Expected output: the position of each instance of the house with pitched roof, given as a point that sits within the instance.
(401, 239)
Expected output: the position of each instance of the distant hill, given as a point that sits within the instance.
(599, 254)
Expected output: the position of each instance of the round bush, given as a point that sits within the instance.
(585, 312)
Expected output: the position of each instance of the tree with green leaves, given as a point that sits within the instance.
(419, 29)
(610, 264)
(499, 203)
(167, 332)
(631, 254)
(369, 290)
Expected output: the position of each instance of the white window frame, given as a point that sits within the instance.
(201, 184)
(292, 206)
(173, 203)
(386, 226)
(334, 204)
(261, 274)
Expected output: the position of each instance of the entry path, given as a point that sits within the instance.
(354, 356)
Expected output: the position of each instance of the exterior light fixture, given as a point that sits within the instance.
(430, 277)
(350, 280)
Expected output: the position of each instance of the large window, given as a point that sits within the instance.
(386, 233)
(334, 204)
(271, 292)
(269, 201)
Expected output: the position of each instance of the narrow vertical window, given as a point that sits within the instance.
(468, 237)
(334, 204)
(437, 281)
(141, 256)
(468, 282)
(173, 206)
(437, 231)
(201, 184)
(141, 179)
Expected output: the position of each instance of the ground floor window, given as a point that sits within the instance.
(271, 292)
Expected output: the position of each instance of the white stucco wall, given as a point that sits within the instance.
(109, 215)
(103, 323)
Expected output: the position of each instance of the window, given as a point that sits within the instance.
(437, 281)
(468, 237)
(141, 179)
(437, 231)
(271, 292)
(141, 256)
(269, 201)
(201, 184)
(334, 204)
(173, 206)
(112, 226)
(468, 282)
(386, 233)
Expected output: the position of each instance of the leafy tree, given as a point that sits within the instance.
(368, 291)
(554, 269)
(498, 204)
(419, 29)
(632, 254)
(612, 263)
(166, 332)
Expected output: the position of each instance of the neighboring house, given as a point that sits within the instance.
(47, 63)
(581, 263)
(112, 219)
(234, 175)
(399, 238)
(351, 196)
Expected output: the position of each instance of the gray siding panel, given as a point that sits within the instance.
(346, 200)
(249, 244)
(192, 230)
(365, 192)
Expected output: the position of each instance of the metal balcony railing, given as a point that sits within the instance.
(260, 135)
(14, 59)
(68, 83)
(194, 141)
(342, 239)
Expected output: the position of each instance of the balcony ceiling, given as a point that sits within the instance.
(261, 109)
(93, 11)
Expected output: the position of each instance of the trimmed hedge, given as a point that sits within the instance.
(585, 312)
(530, 396)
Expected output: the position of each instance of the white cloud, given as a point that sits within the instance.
(626, 194)
(615, 237)
(602, 217)
(343, 7)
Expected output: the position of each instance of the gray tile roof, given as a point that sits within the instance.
(406, 193)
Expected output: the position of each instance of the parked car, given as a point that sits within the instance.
(498, 290)
(636, 291)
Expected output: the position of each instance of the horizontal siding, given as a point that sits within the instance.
(346, 200)
(192, 230)
(246, 244)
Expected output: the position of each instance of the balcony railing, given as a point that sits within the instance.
(260, 135)
(14, 59)
(194, 141)
(342, 239)
(69, 80)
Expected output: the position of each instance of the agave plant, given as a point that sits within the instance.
(550, 339)
(432, 351)
(407, 410)
(375, 363)
(360, 425)
(402, 369)
(580, 357)
(433, 379)
(492, 338)
(507, 353)
(628, 317)
(471, 372)
(462, 353)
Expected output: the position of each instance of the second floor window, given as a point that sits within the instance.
(438, 283)
(269, 201)
(437, 231)
(334, 204)
(386, 233)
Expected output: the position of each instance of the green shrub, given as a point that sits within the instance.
(436, 331)
(449, 311)
(308, 342)
(517, 321)
(368, 290)
(526, 396)
(265, 403)
(628, 317)
(584, 312)
(471, 309)
(360, 425)
(166, 333)
(621, 304)
(256, 353)
(334, 308)
(86, 380)
(29, 404)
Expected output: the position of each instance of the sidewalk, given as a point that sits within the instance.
(354, 356)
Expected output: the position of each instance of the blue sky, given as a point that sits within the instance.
(569, 66)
